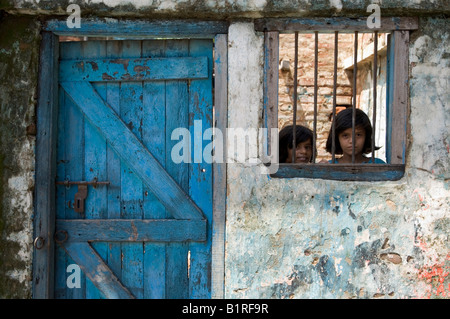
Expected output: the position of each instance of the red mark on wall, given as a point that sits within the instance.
(422, 200)
(436, 276)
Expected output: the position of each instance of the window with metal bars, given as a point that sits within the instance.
(348, 41)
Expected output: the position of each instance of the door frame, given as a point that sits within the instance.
(47, 114)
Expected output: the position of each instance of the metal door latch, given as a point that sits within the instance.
(81, 194)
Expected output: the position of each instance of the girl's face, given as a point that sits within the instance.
(345, 139)
(303, 152)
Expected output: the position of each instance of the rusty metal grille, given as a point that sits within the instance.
(354, 90)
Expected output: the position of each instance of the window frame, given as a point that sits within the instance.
(397, 102)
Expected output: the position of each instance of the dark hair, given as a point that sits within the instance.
(343, 122)
(287, 139)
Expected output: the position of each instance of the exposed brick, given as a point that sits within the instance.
(325, 82)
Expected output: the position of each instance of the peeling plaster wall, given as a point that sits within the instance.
(300, 238)
(222, 9)
(285, 238)
(19, 54)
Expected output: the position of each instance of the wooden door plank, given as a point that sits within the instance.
(95, 146)
(46, 137)
(136, 69)
(73, 139)
(133, 230)
(131, 150)
(97, 271)
(95, 164)
(114, 260)
(131, 200)
(140, 29)
(61, 204)
(153, 125)
(177, 108)
(153, 137)
(200, 170)
(219, 169)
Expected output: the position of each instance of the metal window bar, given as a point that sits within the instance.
(316, 55)
(333, 132)
(335, 63)
(294, 128)
(355, 70)
(375, 69)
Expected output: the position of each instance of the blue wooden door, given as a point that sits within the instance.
(144, 227)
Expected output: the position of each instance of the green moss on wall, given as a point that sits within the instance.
(6, 4)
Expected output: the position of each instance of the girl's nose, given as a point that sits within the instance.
(301, 150)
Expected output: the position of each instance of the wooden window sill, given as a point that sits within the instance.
(343, 172)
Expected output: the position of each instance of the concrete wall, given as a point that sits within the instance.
(299, 238)
(214, 9)
(19, 54)
(285, 238)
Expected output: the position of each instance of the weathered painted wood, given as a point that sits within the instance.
(271, 43)
(334, 24)
(131, 150)
(399, 106)
(131, 186)
(389, 93)
(177, 116)
(114, 259)
(61, 204)
(148, 111)
(343, 172)
(140, 29)
(72, 138)
(95, 164)
(46, 137)
(153, 137)
(133, 230)
(219, 170)
(97, 271)
(136, 69)
(200, 171)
